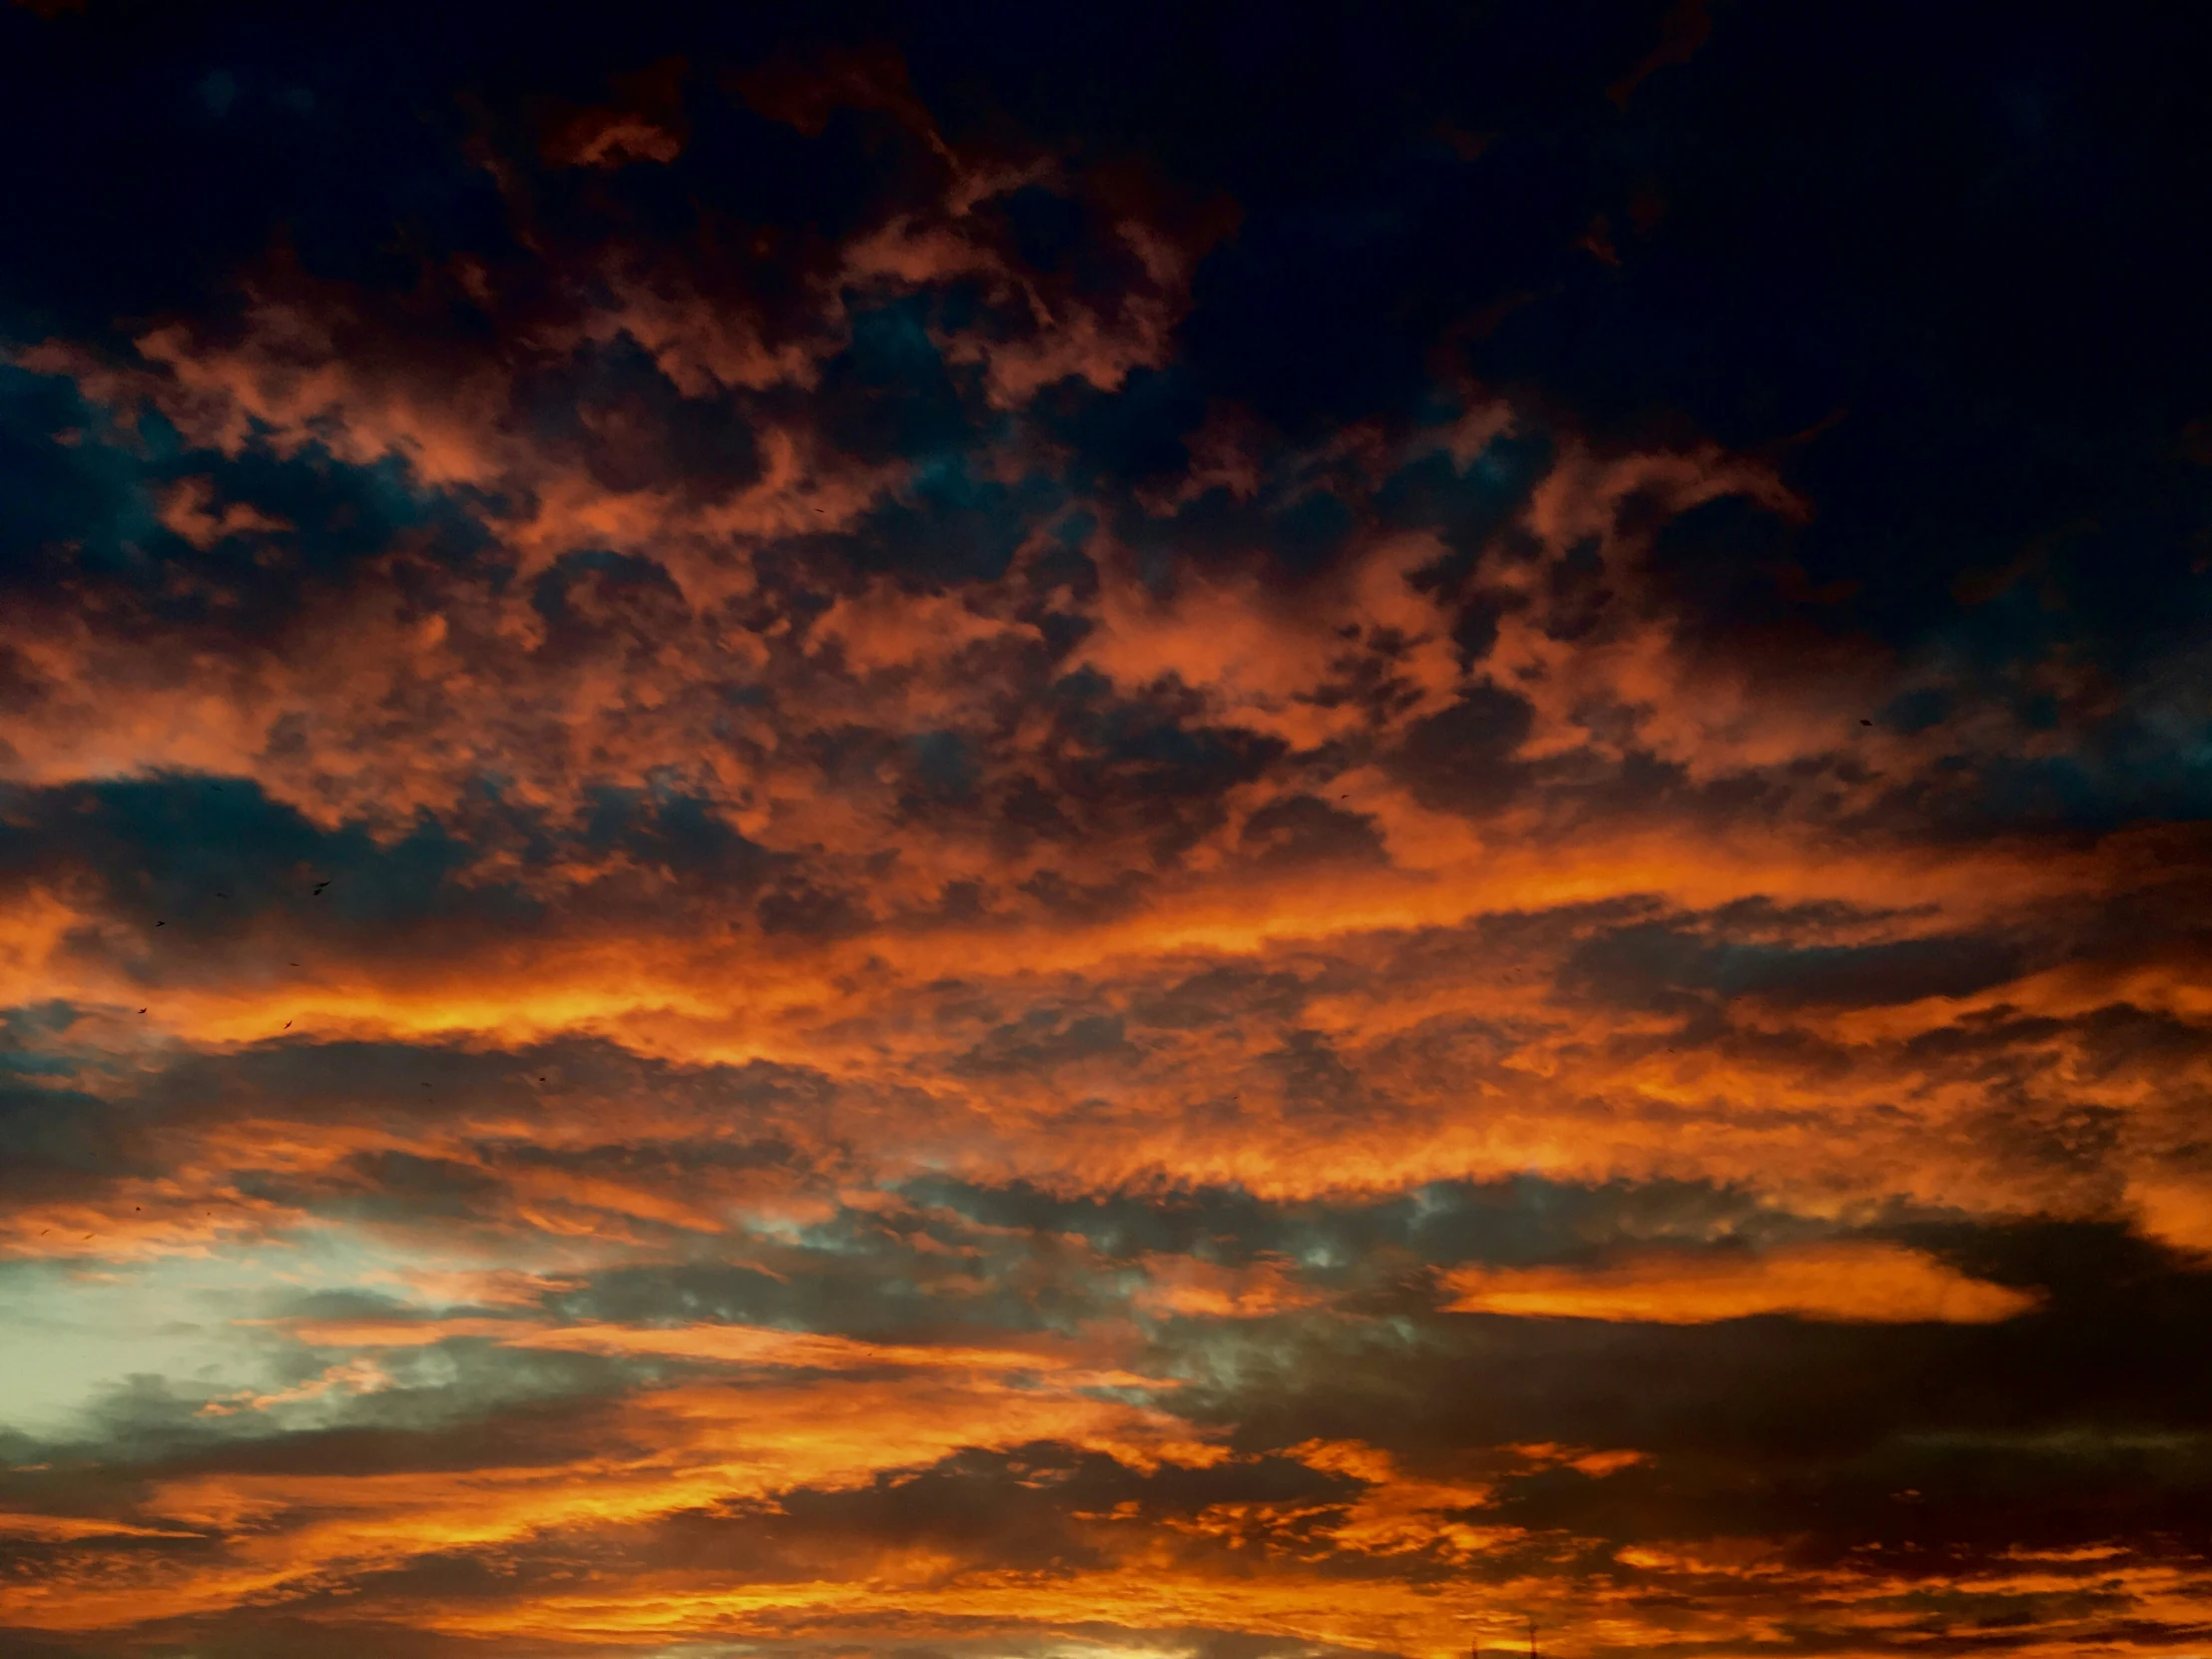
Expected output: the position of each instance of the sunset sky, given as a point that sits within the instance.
(1119, 831)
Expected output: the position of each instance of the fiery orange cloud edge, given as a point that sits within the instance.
(1873, 1282)
(711, 1446)
(869, 1039)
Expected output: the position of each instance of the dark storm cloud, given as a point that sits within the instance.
(1463, 756)
(55, 1139)
(1653, 962)
(1812, 317)
(1438, 1222)
(1824, 1443)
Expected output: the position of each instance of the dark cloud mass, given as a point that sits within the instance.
(1195, 832)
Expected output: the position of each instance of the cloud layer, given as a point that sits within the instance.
(1110, 836)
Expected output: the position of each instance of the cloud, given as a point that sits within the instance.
(646, 126)
(1866, 1281)
(755, 1346)
(2175, 1212)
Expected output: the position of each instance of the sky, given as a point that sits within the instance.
(1145, 831)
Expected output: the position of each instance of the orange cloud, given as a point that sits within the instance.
(187, 509)
(1873, 1282)
(397, 1332)
(759, 1346)
(68, 1529)
(1190, 1288)
(692, 1449)
(646, 125)
(2176, 1210)
(359, 1377)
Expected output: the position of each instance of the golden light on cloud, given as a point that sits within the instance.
(1851, 1282)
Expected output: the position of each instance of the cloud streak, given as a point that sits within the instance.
(1830, 1282)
